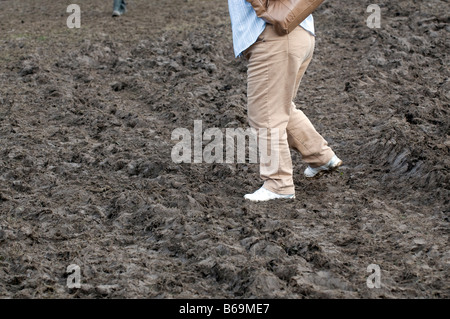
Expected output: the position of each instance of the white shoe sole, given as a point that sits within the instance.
(326, 171)
(266, 200)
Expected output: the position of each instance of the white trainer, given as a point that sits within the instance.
(333, 164)
(263, 194)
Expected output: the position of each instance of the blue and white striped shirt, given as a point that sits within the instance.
(246, 26)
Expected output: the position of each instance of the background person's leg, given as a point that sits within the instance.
(119, 7)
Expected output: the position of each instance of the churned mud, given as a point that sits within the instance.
(87, 178)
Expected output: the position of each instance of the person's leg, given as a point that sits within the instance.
(116, 5)
(274, 64)
(119, 7)
(302, 136)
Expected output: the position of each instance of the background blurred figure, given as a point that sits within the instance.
(120, 7)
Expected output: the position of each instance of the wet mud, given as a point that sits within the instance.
(87, 178)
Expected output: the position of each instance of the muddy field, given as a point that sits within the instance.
(86, 175)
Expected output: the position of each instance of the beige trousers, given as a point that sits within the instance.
(276, 65)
